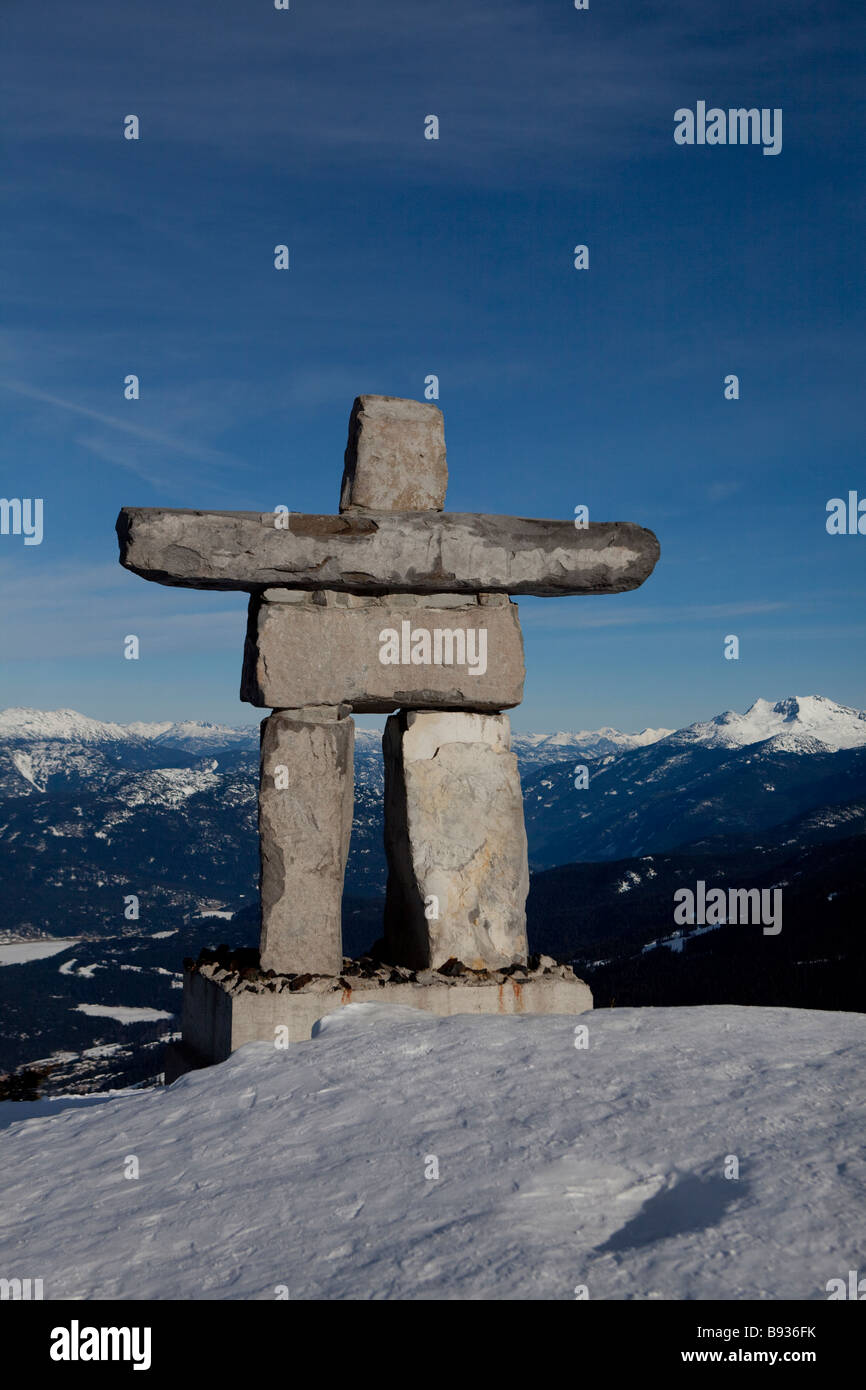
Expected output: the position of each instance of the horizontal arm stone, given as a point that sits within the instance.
(384, 552)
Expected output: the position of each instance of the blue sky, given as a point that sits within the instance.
(451, 257)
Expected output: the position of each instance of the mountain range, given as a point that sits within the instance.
(94, 813)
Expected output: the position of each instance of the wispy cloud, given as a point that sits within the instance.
(76, 610)
(139, 449)
(178, 446)
(566, 617)
(724, 488)
(511, 82)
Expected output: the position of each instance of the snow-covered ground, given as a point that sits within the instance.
(11, 1110)
(123, 1013)
(20, 952)
(558, 1166)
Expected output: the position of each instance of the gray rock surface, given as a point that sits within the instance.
(454, 836)
(326, 646)
(408, 552)
(304, 830)
(395, 457)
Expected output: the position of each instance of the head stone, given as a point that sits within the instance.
(395, 457)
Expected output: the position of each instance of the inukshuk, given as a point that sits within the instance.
(393, 606)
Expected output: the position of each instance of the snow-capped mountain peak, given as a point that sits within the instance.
(37, 724)
(805, 723)
(597, 742)
(22, 724)
(192, 734)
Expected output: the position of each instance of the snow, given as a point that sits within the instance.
(558, 1166)
(61, 723)
(84, 971)
(10, 1110)
(122, 1013)
(166, 786)
(23, 763)
(195, 733)
(68, 724)
(806, 723)
(799, 724)
(589, 740)
(622, 740)
(631, 880)
(20, 952)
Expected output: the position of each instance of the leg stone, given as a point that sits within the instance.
(306, 795)
(455, 841)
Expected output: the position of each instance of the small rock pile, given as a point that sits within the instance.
(237, 970)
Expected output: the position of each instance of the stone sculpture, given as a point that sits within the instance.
(392, 606)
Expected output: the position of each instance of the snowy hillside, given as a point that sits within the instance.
(809, 717)
(68, 724)
(558, 1167)
(734, 774)
(33, 725)
(798, 724)
(547, 748)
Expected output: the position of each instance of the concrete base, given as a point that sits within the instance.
(222, 1011)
